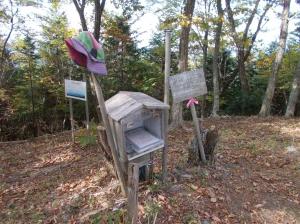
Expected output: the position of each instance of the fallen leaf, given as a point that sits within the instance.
(216, 219)
(259, 206)
(214, 200)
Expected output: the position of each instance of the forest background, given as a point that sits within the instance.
(221, 36)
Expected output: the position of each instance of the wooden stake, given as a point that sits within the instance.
(167, 65)
(72, 119)
(71, 115)
(87, 114)
(198, 134)
(133, 183)
(166, 101)
(110, 139)
(165, 152)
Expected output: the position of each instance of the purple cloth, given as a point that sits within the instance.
(92, 64)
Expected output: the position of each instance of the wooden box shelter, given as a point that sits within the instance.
(138, 126)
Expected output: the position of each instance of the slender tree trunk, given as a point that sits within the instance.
(207, 5)
(294, 94)
(266, 105)
(242, 72)
(32, 100)
(3, 52)
(99, 8)
(216, 103)
(205, 47)
(244, 43)
(177, 117)
(80, 6)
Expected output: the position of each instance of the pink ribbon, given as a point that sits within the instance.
(191, 102)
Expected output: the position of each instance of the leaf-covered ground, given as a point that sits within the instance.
(255, 179)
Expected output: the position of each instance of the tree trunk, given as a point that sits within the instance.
(3, 53)
(266, 105)
(290, 110)
(177, 118)
(216, 103)
(205, 47)
(99, 8)
(244, 43)
(80, 9)
(242, 72)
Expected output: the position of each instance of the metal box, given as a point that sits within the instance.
(137, 122)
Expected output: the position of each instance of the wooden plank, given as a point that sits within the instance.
(154, 124)
(147, 101)
(125, 103)
(109, 134)
(133, 181)
(136, 155)
(187, 84)
(149, 171)
(120, 141)
(120, 110)
(143, 160)
(113, 131)
(115, 102)
(198, 134)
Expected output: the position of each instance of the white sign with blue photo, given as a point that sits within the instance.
(75, 89)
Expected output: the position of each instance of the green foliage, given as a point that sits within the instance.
(152, 208)
(190, 218)
(87, 137)
(87, 140)
(128, 69)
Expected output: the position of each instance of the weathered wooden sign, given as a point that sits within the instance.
(187, 84)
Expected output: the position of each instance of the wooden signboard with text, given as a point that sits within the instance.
(187, 84)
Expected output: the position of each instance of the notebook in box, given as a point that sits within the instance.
(142, 140)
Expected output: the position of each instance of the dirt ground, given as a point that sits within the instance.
(255, 179)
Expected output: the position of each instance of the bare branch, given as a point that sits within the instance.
(232, 23)
(80, 6)
(258, 28)
(254, 11)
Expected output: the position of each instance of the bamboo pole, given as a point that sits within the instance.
(110, 139)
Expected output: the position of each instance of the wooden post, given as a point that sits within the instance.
(71, 115)
(167, 65)
(166, 101)
(133, 183)
(110, 139)
(198, 134)
(72, 119)
(87, 115)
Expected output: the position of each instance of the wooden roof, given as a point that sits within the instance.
(125, 103)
